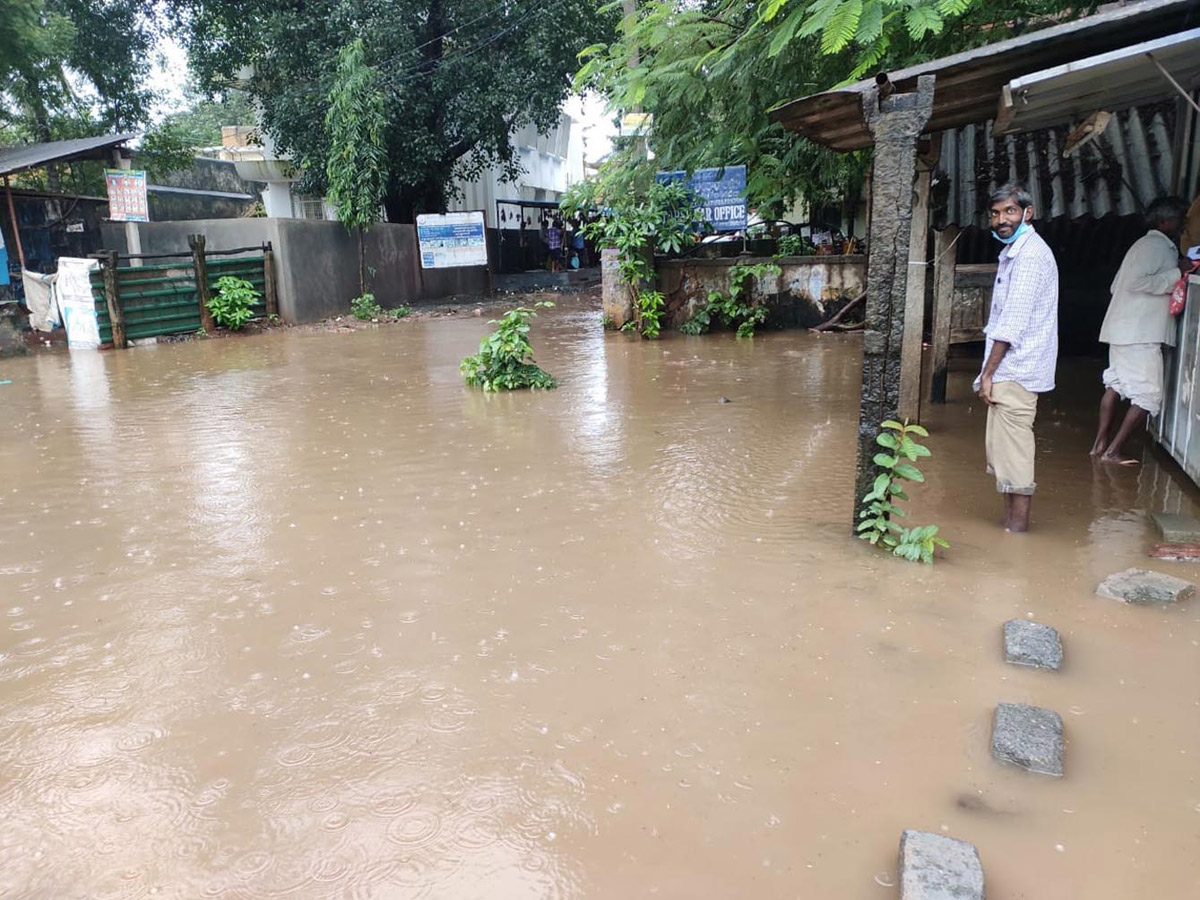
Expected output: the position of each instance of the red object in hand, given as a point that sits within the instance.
(1179, 294)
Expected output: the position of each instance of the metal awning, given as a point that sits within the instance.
(33, 156)
(1116, 80)
(969, 84)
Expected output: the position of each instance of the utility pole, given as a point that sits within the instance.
(133, 235)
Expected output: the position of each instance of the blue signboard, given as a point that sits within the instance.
(723, 192)
(451, 240)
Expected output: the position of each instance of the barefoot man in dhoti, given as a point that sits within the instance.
(1136, 326)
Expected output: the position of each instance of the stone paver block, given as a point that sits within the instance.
(1140, 586)
(1178, 529)
(1029, 737)
(936, 867)
(1031, 644)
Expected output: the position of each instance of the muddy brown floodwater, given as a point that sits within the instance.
(301, 615)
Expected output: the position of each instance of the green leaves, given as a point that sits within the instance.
(879, 512)
(357, 167)
(232, 305)
(505, 358)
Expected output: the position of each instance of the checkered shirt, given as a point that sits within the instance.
(1025, 314)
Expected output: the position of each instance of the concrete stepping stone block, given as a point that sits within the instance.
(1032, 644)
(1140, 586)
(1177, 529)
(937, 867)
(1028, 736)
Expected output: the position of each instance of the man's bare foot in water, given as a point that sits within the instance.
(1119, 459)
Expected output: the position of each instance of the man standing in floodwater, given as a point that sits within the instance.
(1137, 324)
(1021, 352)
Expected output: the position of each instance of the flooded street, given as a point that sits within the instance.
(301, 615)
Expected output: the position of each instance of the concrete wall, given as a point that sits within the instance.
(807, 292)
(317, 262)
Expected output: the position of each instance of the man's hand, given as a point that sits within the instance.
(985, 390)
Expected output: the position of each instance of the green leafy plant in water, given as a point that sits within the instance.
(400, 312)
(638, 219)
(366, 307)
(505, 358)
(232, 306)
(735, 308)
(879, 510)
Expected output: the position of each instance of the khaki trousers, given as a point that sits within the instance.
(1009, 440)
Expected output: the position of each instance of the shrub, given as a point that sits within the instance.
(233, 304)
(365, 307)
(505, 358)
(879, 509)
(735, 308)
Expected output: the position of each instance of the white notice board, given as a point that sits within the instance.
(452, 240)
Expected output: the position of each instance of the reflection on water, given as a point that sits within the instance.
(301, 615)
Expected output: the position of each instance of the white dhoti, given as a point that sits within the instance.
(1135, 372)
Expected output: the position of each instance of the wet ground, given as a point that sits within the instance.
(300, 615)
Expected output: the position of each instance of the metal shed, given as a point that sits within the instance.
(1024, 83)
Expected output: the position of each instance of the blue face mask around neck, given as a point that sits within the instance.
(1021, 229)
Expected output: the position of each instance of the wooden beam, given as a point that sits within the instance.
(943, 300)
(112, 297)
(270, 289)
(12, 217)
(200, 270)
(914, 299)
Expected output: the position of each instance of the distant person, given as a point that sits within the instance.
(579, 245)
(1021, 351)
(554, 240)
(1136, 326)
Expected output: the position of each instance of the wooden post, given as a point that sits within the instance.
(112, 298)
(12, 217)
(914, 299)
(200, 267)
(943, 302)
(270, 293)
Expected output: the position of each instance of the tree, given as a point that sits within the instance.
(458, 77)
(711, 70)
(67, 62)
(356, 167)
(204, 116)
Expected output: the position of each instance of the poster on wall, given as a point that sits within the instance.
(452, 240)
(127, 195)
(723, 192)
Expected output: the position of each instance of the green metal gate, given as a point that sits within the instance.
(162, 299)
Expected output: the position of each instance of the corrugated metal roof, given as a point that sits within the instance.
(1120, 172)
(1115, 80)
(969, 84)
(31, 156)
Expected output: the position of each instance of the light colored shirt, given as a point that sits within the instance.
(1139, 312)
(1025, 314)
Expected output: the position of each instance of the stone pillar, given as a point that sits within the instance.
(895, 122)
(615, 302)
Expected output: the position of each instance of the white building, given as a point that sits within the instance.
(550, 164)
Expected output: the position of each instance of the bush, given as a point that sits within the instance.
(233, 304)
(736, 308)
(365, 307)
(879, 512)
(505, 358)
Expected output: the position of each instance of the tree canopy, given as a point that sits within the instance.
(711, 70)
(72, 67)
(458, 77)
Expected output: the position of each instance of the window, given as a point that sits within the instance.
(306, 207)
